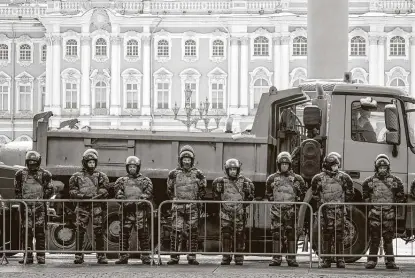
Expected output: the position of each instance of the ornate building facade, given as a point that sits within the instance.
(125, 64)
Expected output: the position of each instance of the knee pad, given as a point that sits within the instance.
(276, 236)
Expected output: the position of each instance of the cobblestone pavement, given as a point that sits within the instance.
(254, 267)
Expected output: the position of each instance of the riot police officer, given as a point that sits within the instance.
(382, 187)
(185, 183)
(89, 184)
(332, 186)
(134, 186)
(33, 182)
(233, 187)
(284, 186)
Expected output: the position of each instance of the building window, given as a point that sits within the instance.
(217, 96)
(218, 48)
(397, 46)
(132, 96)
(260, 86)
(358, 46)
(190, 48)
(71, 48)
(192, 86)
(101, 47)
(4, 52)
(42, 98)
(24, 97)
(132, 48)
(163, 48)
(71, 93)
(300, 46)
(43, 58)
(25, 52)
(100, 95)
(4, 97)
(261, 46)
(162, 95)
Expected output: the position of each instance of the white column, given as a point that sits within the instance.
(412, 85)
(381, 61)
(56, 75)
(373, 57)
(327, 56)
(244, 83)
(85, 81)
(49, 75)
(277, 61)
(285, 63)
(115, 106)
(146, 76)
(234, 74)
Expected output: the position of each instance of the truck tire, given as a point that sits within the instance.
(356, 237)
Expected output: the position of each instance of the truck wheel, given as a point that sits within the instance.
(356, 237)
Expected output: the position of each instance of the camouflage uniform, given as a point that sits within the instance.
(185, 183)
(233, 215)
(134, 186)
(284, 186)
(89, 184)
(34, 182)
(332, 186)
(382, 187)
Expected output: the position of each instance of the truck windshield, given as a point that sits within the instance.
(411, 122)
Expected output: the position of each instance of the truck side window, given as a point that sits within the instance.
(368, 126)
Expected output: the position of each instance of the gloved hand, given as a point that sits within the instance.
(88, 196)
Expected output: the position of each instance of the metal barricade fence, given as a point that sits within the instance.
(101, 222)
(358, 226)
(211, 222)
(13, 235)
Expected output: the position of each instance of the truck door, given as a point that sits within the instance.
(364, 139)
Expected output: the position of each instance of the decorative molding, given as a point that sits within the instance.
(8, 42)
(261, 32)
(189, 75)
(95, 36)
(297, 74)
(397, 72)
(360, 74)
(159, 36)
(25, 79)
(162, 75)
(100, 20)
(131, 76)
(218, 76)
(71, 35)
(132, 35)
(276, 40)
(24, 40)
(85, 39)
(186, 37)
(258, 73)
(401, 33)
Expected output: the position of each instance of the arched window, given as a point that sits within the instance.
(300, 46)
(4, 52)
(218, 48)
(397, 46)
(190, 48)
(100, 95)
(261, 46)
(260, 86)
(101, 47)
(358, 46)
(297, 82)
(132, 48)
(163, 48)
(25, 52)
(398, 82)
(71, 48)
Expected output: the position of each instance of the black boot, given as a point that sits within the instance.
(29, 259)
(226, 247)
(292, 248)
(389, 261)
(327, 242)
(194, 246)
(124, 246)
(40, 247)
(340, 250)
(144, 239)
(99, 244)
(372, 260)
(175, 246)
(79, 257)
(240, 247)
(276, 248)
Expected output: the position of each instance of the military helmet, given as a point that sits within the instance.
(87, 157)
(329, 161)
(382, 160)
(133, 160)
(34, 157)
(284, 157)
(336, 154)
(187, 151)
(94, 151)
(232, 163)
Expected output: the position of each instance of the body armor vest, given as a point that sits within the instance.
(332, 189)
(87, 184)
(232, 191)
(382, 193)
(32, 189)
(132, 189)
(284, 190)
(186, 187)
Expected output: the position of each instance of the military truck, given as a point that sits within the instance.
(305, 121)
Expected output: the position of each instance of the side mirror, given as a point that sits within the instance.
(312, 117)
(392, 137)
(391, 118)
(368, 104)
